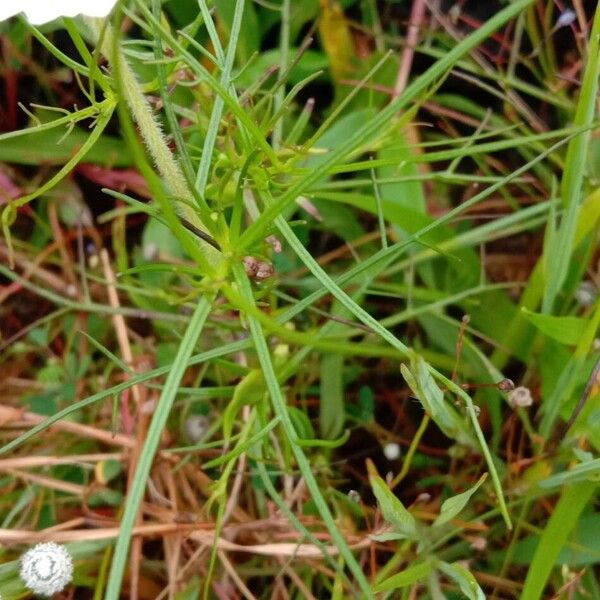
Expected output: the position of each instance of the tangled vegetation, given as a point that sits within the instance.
(299, 299)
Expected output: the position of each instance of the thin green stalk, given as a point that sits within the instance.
(155, 430)
(217, 111)
(281, 410)
(152, 133)
(414, 444)
(560, 248)
(389, 337)
(284, 47)
(358, 138)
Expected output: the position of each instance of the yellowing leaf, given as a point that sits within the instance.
(336, 38)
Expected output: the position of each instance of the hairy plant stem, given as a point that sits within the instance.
(151, 132)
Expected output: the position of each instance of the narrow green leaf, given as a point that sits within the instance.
(157, 425)
(454, 505)
(573, 174)
(566, 330)
(331, 408)
(466, 582)
(407, 577)
(392, 509)
(558, 528)
(585, 471)
(431, 397)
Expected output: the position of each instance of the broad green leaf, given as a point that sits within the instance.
(452, 506)
(54, 147)
(107, 470)
(392, 509)
(407, 577)
(105, 497)
(405, 193)
(566, 330)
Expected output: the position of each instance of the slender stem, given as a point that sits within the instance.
(159, 419)
(281, 410)
(284, 47)
(411, 452)
(217, 111)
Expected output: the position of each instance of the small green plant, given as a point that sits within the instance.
(210, 238)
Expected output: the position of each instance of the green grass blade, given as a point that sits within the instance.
(564, 518)
(281, 410)
(217, 111)
(571, 189)
(142, 472)
(389, 337)
(418, 87)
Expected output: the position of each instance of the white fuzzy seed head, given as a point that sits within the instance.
(47, 568)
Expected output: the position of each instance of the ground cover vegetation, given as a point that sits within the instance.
(299, 299)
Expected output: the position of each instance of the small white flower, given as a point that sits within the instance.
(566, 18)
(391, 451)
(586, 294)
(38, 12)
(150, 251)
(352, 494)
(478, 543)
(520, 397)
(47, 568)
(196, 427)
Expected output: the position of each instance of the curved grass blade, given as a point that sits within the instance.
(142, 472)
